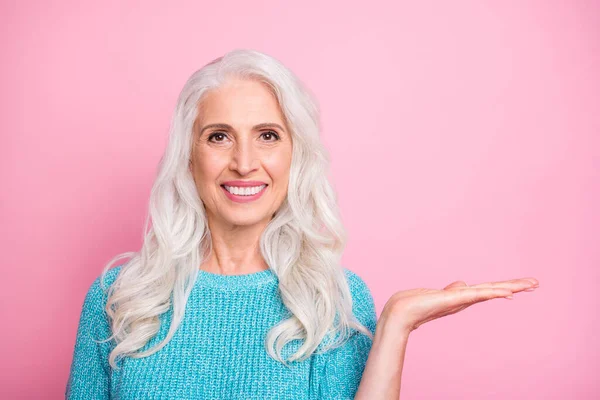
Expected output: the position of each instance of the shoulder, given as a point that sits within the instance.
(98, 290)
(105, 280)
(359, 289)
(356, 282)
(363, 305)
(93, 318)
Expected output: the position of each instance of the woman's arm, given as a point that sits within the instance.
(383, 370)
(405, 312)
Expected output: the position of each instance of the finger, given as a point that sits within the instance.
(532, 280)
(471, 295)
(456, 284)
(515, 285)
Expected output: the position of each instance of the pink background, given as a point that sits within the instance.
(464, 137)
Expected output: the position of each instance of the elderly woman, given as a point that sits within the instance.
(238, 291)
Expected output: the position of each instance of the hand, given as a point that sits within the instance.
(412, 308)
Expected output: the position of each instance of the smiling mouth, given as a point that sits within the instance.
(244, 191)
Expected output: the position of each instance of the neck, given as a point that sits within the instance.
(235, 249)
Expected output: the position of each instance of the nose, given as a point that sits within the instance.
(244, 159)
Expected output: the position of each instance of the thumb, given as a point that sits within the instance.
(456, 285)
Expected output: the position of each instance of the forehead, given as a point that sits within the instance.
(240, 101)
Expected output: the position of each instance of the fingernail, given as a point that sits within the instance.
(531, 289)
(510, 297)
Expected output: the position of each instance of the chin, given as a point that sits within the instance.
(245, 220)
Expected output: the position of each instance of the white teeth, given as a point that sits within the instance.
(244, 191)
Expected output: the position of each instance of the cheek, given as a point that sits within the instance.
(208, 166)
(278, 166)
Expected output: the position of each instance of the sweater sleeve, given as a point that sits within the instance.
(89, 377)
(340, 370)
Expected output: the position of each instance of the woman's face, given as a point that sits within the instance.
(240, 135)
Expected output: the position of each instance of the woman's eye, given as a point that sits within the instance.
(271, 134)
(216, 134)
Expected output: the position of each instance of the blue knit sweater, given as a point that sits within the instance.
(218, 350)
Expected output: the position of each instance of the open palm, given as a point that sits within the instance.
(414, 307)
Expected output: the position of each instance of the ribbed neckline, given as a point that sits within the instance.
(206, 278)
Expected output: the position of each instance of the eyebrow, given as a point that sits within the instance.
(229, 127)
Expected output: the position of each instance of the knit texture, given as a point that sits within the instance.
(218, 350)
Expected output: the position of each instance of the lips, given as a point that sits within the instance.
(243, 183)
